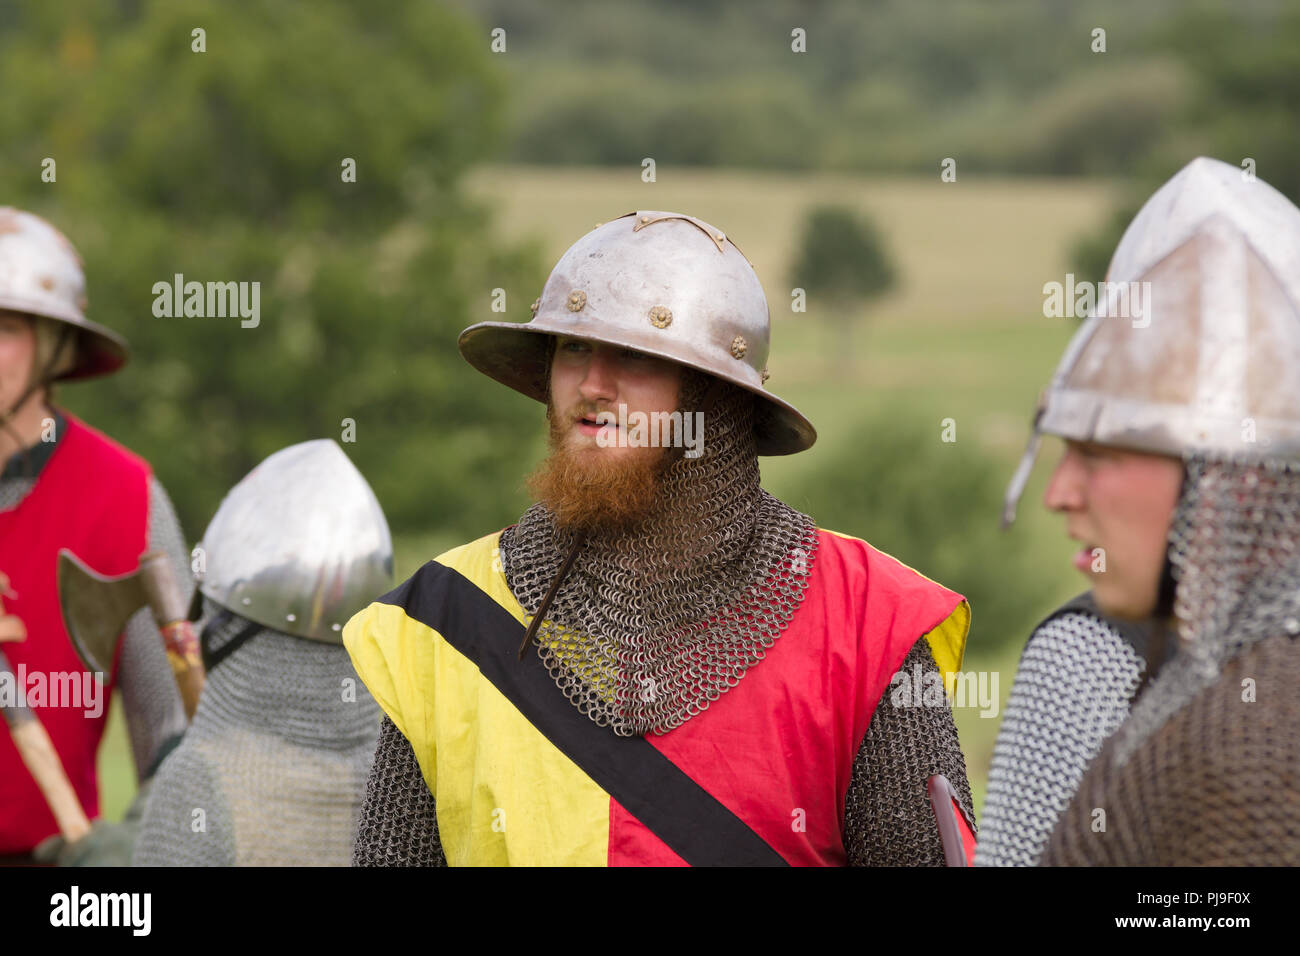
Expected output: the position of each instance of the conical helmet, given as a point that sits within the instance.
(41, 275)
(661, 283)
(299, 545)
(1208, 363)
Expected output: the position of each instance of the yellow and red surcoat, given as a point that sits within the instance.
(520, 776)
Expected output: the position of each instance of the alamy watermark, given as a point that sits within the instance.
(81, 690)
(626, 429)
(212, 300)
(74, 908)
(923, 688)
(1107, 300)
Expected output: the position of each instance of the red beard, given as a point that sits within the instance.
(587, 488)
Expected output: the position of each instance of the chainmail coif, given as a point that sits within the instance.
(1200, 774)
(653, 623)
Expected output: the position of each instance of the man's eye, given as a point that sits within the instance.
(574, 346)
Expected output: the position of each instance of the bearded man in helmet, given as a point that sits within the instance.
(65, 485)
(659, 663)
(1182, 468)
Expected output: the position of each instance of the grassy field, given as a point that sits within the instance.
(963, 336)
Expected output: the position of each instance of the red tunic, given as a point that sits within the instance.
(758, 778)
(92, 497)
(778, 749)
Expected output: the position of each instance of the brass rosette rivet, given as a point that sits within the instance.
(661, 317)
(537, 304)
(577, 299)
(764, 375)
(738, 347)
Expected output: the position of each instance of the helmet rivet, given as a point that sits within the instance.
(738, 346)
(336, 626)
(47, 283)
(291, 618)
(537, 304)
(721, 237)
(661, 317)
(577, 299)
(645, 219)
(764, 375)
(246, 602)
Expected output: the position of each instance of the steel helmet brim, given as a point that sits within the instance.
(516, 354)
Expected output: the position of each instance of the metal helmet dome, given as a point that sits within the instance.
(1213, 366)
(299, 545)
(661, 283)
(41, 275)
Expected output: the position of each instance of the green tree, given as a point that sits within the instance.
(841, 263)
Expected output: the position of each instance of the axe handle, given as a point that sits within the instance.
(38, 753)
(170, 612)
(42, 762)
(187, 663)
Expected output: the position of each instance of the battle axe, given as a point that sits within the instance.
(96, 609)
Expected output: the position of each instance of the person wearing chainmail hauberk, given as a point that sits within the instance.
(1075, 679)
(66, 485)
(1182, 470)
(659, 663)
(273, 768)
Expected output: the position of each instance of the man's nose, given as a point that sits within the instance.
(1065, 487)
(600, 383)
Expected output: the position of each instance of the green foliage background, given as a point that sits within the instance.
(226, 165)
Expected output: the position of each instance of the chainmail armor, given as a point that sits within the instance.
(1216, 785)
(1198, 774)
(888, 820)
(654, 623)
(1073, 686)
(14, 490)
(399, 822)
(151, 702)
(276, 758)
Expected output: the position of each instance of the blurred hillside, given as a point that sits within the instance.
(891, 85)
(1012, 87)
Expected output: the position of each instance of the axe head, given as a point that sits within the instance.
(96, 608)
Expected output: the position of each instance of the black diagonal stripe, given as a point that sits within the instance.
(652, 788)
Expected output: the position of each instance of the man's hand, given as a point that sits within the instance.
(107, 844)
(11, 626)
